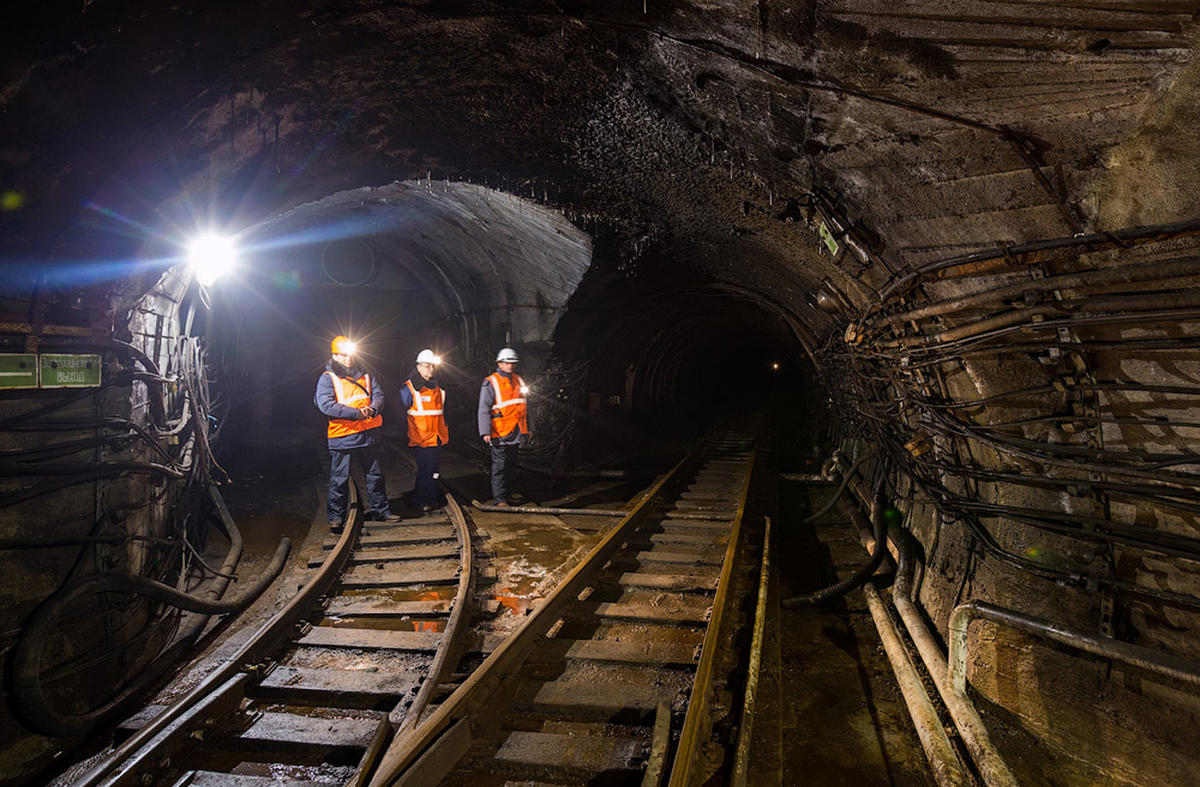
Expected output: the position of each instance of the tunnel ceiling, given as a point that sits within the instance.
(713, 138)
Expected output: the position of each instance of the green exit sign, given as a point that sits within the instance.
(70, 371)
(18, 370)
(830, 241)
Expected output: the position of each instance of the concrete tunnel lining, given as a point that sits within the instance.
(473, 250)
(665, 121)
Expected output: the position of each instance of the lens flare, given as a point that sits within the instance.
(211, 257)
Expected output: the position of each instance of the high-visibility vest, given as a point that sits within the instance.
(508, 411)
(356, 394)
(426, 422)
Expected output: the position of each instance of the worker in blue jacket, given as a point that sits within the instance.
(352, 400)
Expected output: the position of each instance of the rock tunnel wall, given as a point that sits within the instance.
(1043, 408)
(100, 480)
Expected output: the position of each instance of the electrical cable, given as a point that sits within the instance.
(867, 569)
(28, 693)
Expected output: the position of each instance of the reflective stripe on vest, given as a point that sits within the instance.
(356, 394)
(509, 410)
(427, 424)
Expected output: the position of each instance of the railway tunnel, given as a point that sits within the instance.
(954, 245)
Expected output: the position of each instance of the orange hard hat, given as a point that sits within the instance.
(342, 346)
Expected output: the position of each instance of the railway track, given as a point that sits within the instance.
(617, 676)
(323, 686)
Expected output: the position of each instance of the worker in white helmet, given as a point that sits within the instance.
(424, 403)
(503, 422)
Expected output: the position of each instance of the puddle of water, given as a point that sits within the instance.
(520, 596)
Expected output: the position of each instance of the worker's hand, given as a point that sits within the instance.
(487, 438)
(367, 412)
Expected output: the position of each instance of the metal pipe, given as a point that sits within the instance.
(970, 727)
(1120, 304)
(947, 770)
(1041, 251)
(1154, 661)
(1096, 277)
(849, 476)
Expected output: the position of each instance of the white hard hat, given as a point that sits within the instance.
(507, 355)
(428, 356)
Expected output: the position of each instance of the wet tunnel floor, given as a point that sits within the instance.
(839, 717)
(843, 721)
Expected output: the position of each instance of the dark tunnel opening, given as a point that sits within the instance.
(407, 268)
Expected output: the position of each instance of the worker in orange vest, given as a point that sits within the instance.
(424, 403)
(503, 421)
(352, 400)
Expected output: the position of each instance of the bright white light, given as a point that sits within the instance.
(211, 257)
(349, 347)
(524, 389)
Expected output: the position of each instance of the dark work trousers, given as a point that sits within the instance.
(425, 488)
(339, 474)
(504, 465)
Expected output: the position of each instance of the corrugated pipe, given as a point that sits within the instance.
(867, 570)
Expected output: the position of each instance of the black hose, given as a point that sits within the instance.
(867, 570)
(28, 695)
(841, 488)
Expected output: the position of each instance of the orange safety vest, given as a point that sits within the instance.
(426, 422)
(508, 411)
(356, 394)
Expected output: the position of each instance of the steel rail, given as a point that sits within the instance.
(230, 684)
(437, 744)
(696, 723)
(741, 766)
(447, 723)
(402, 719)
(265, 640)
